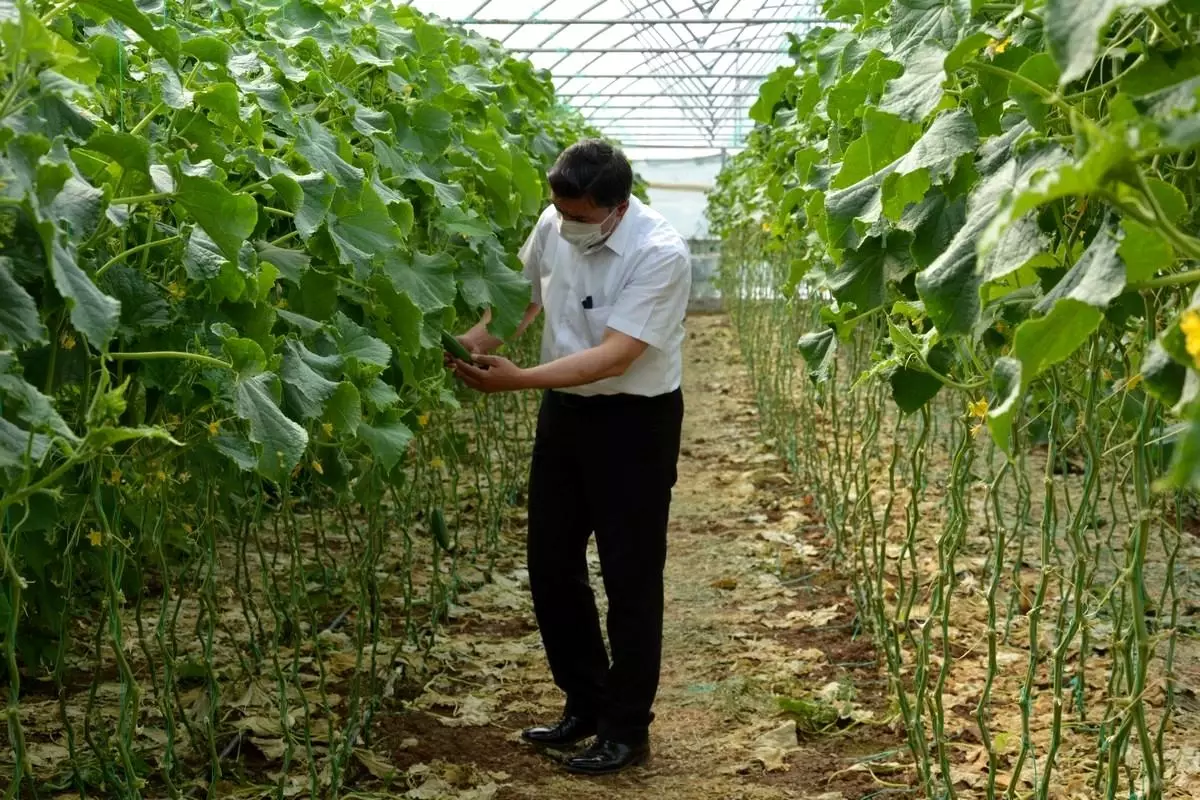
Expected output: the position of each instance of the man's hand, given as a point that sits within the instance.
(501, 374)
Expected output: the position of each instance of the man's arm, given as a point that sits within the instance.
(480, 340)
(609, 359)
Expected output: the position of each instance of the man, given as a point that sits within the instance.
(613, 278)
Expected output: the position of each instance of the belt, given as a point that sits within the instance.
(598, 401)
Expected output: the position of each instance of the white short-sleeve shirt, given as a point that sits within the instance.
(636, 283)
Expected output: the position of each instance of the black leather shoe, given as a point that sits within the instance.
(567, 731)
(605, 757)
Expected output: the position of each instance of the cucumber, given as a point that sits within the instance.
(455, 348)
(441, 534)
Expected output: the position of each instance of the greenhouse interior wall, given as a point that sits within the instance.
(678, 189)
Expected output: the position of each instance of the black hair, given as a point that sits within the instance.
(595, 169)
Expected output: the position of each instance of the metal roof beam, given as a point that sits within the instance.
(641, 21)
(688, 50)
(665, 76)
(566, 95)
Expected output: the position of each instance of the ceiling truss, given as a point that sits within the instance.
(652, 73)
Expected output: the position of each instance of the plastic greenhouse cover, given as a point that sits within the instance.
(668, 78)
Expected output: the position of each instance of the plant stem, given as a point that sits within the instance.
(1178, 279)
(1163, 27)
(134, 250)
(162, 355)
(141, 198)
(286, 237)
(144, 121)
(1054, 98)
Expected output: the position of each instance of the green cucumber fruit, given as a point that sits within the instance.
(455, 348)
(441, 533)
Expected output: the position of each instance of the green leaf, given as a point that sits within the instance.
(291, 264)
(1008, 388)
(401, 167)
(344, 410)
(307, 196)
(1041, 343)
(363, 231)
(930, 162)
(863, 277)
(1096, 279)
(282, 441)
(202, 258)
(885, 138)
(770, 93)
(1185, 465)
(131, 152)
(427, 280)
(1041, 69)
(1079, 177)
(93, 313)
(33, 408)
(468, 223)
(915, 94)
(913, 388)
(307, 390)
(819, 350)
(915, 22)
(355, 343)
(322, 151)
(1145, 250)
(16, 444)
(498, 287)
(165, 40)
(380, 395)
(239, 451)
(403, 316)
(246, 355)
(20, 324)
(212, 49)
(388, 441)
(1164, 376)
(227, 218)
(1073, 31)
(950, 285)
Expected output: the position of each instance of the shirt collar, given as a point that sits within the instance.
(620, 237)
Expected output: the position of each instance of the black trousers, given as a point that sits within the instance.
(603, 465)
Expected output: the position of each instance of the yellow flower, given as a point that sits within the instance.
(214, 428)
(114, 477)
(766, 227)
(1190, 325)
(436, 462)
(184, 477)
(327, 429)
(67, 341)
(316, 465)
(176, 290)
(997, 46)
(1133, 382)
(160, 476)
(978, 409)
(423, 420)
(95, 537)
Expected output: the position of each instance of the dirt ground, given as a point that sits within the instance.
(768, 689)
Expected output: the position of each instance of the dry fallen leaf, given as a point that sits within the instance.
(374, 764)
(773, 747)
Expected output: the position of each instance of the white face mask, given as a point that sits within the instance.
(583, 235)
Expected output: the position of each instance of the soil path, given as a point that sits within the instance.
(753, 616)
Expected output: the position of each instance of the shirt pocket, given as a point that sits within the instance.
(596, 323)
